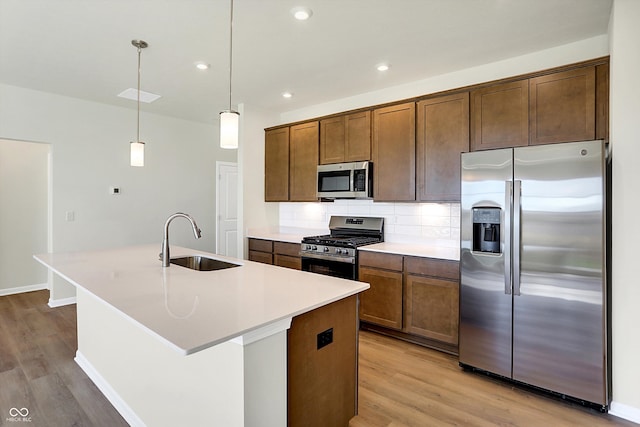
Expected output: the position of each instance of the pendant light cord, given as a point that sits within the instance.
(138, 124)
(230, 51)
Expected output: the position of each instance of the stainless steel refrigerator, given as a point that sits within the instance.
(533, 267)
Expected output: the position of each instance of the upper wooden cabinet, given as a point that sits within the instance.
(562, 107)
(345, 138)
(500, 116)
(394, 152)
(303, 155)
(442, 134)
(602, 102)
(276, 165)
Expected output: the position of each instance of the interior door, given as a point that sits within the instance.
(227, 209)
(558, 330)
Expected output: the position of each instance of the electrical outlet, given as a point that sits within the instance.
(325, 338)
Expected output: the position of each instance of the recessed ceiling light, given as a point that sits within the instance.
(287, 95)
(202, 65)
(301, 13)
(382, 67)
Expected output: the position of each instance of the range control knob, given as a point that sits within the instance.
(338, 251)
(326, 249)
(314, 247)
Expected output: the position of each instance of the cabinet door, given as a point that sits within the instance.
(500, 116)
(381, 304)
(562, 107)
(394, 153)
(303, 167)
(602, 102)
(432, 308)
(357, 137)
(442, 134)
(332, 138)
(276, 165)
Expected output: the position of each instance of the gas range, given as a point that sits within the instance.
(347, 234)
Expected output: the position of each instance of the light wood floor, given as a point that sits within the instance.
(401, 384)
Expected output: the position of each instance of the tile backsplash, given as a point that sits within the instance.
(435, 223)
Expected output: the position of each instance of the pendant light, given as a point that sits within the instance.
(137, 146)
(229, 119)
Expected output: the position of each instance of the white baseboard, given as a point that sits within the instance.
(627, 412)
(22, 289)
(53, 303)
(108, 392)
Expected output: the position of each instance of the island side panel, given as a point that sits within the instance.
(155, 383)
(322, 383)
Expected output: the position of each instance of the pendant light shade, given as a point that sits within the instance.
(229, 124)
(137, 154)
(137, 146)
(229, 119)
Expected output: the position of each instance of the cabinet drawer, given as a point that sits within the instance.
(380, 260)
(263, 257)
(432, 267)
(260, 245)
(283, 248)
(293, 262)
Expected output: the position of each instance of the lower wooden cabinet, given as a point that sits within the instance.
(287, 255)
(431, 302)
(283, 254)
(261, 251)
(411, 298)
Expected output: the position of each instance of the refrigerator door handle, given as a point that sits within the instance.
(508, 189)
(517, 187)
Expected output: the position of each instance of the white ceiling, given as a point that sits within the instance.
(82, 48)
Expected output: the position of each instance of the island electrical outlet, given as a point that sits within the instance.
(325, 338)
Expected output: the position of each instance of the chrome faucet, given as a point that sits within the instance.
(164, 255)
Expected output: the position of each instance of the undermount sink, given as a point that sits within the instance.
(202, 263)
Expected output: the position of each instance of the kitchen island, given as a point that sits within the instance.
(175, 346)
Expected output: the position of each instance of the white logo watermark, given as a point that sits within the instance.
(18, 415)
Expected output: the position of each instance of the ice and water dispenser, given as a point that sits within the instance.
(486, 230)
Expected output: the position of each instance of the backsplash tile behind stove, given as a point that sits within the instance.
(434, 223)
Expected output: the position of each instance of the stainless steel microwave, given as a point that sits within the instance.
(346, 181)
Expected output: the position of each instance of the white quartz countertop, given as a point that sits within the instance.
(414, 249)
(193, 310)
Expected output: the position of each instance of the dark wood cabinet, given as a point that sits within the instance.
(287, 255)
(322, 383)
(261, 251)
(500, 116)
(282, 254)
(394, 152)
(276, 165)
(381, 304)
(303, 161)
(432, 290)
(602, 102)
(411, 298)
(442, 135)
(345, 138)
(562, 106)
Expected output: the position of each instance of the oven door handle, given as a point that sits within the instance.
(346, 260)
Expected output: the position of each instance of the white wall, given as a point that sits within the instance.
(24, 178)
(90, 153)
(625, 138)
(255, 212)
